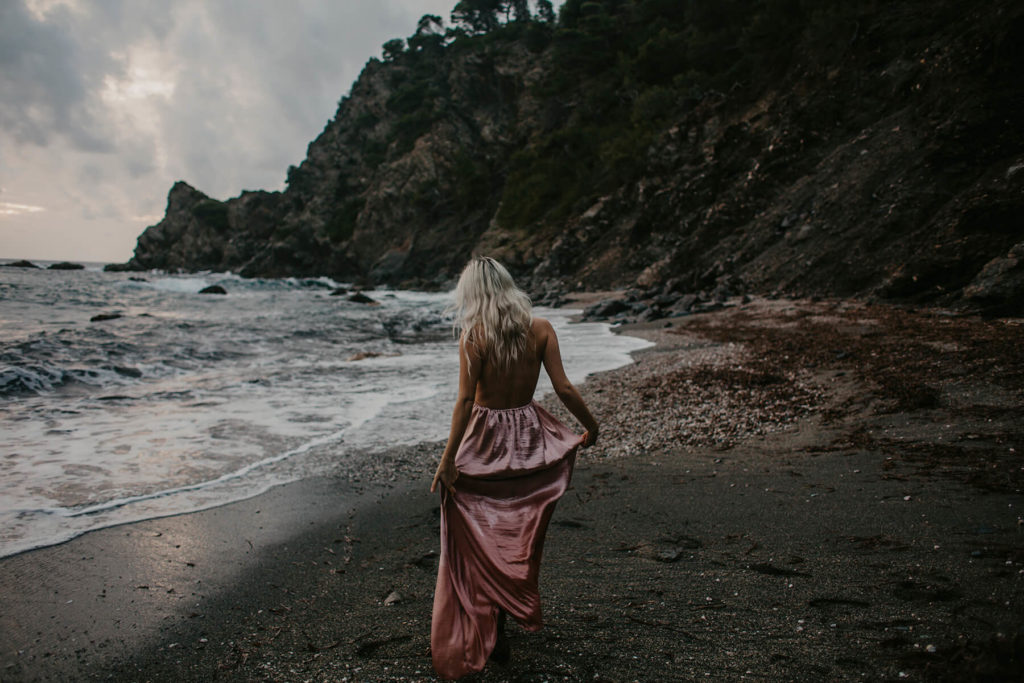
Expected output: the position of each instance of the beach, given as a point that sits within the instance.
(782, 490)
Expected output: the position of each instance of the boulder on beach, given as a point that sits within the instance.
(684, 304)
(605, 309)
(649, 313)
(119, 268)
(338, 291)
(213, 289)
(65, 265)
(363, 355)
(21, 264)
(999, 286)
(553, 298)
(361, 298)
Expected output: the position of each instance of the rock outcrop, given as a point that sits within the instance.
(888, 163)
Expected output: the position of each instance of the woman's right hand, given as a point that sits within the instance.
(446, 474)
(589, 438)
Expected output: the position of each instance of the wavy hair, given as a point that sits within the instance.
(493, 313)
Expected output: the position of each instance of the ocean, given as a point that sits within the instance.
(187, 401)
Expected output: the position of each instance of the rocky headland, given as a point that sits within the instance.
(704, 148)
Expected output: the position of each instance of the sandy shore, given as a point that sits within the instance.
(783, 491)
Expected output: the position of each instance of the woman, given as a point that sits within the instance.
(507, 463)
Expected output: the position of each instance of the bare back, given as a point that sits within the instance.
(483, 382)
(514, 386)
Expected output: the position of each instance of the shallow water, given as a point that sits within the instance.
(189, 401)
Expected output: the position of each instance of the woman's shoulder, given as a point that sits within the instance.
(541, 331)
(540, 326)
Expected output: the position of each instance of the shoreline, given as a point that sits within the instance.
(221, 457)
(834, 533)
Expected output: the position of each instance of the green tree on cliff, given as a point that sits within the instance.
(520, 9)
(429, 34)
(477, 16)
(393, 49)
(546, 11)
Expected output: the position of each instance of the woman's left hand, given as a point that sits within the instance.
(446, 474)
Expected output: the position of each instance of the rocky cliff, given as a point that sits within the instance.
(848, 149)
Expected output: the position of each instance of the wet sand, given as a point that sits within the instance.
(783, 491)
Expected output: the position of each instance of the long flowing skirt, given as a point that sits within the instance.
(513, 466)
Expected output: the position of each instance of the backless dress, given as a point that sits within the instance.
(514, 464)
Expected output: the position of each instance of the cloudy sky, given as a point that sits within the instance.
(105, 103)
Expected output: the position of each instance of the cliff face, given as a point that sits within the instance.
(902, 180)
(887, 162)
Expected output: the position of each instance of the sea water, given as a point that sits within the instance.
(189, 400)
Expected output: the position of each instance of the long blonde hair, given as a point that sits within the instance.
(492, 311)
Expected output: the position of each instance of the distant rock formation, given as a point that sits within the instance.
(878, 154)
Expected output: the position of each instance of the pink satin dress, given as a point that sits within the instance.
(513, 466)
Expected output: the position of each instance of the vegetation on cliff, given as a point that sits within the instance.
(838, 148)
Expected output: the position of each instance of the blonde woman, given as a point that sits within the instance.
(507, 463)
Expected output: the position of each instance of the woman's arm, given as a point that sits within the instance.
(469, 374)
(566, 392)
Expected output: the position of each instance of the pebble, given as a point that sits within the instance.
(693, 394)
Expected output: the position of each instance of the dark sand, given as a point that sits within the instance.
(783, 491)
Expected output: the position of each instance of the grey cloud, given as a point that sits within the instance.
(279, 72)
(140, 166)
(90, 174)
(256, 81)
(49, 79)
